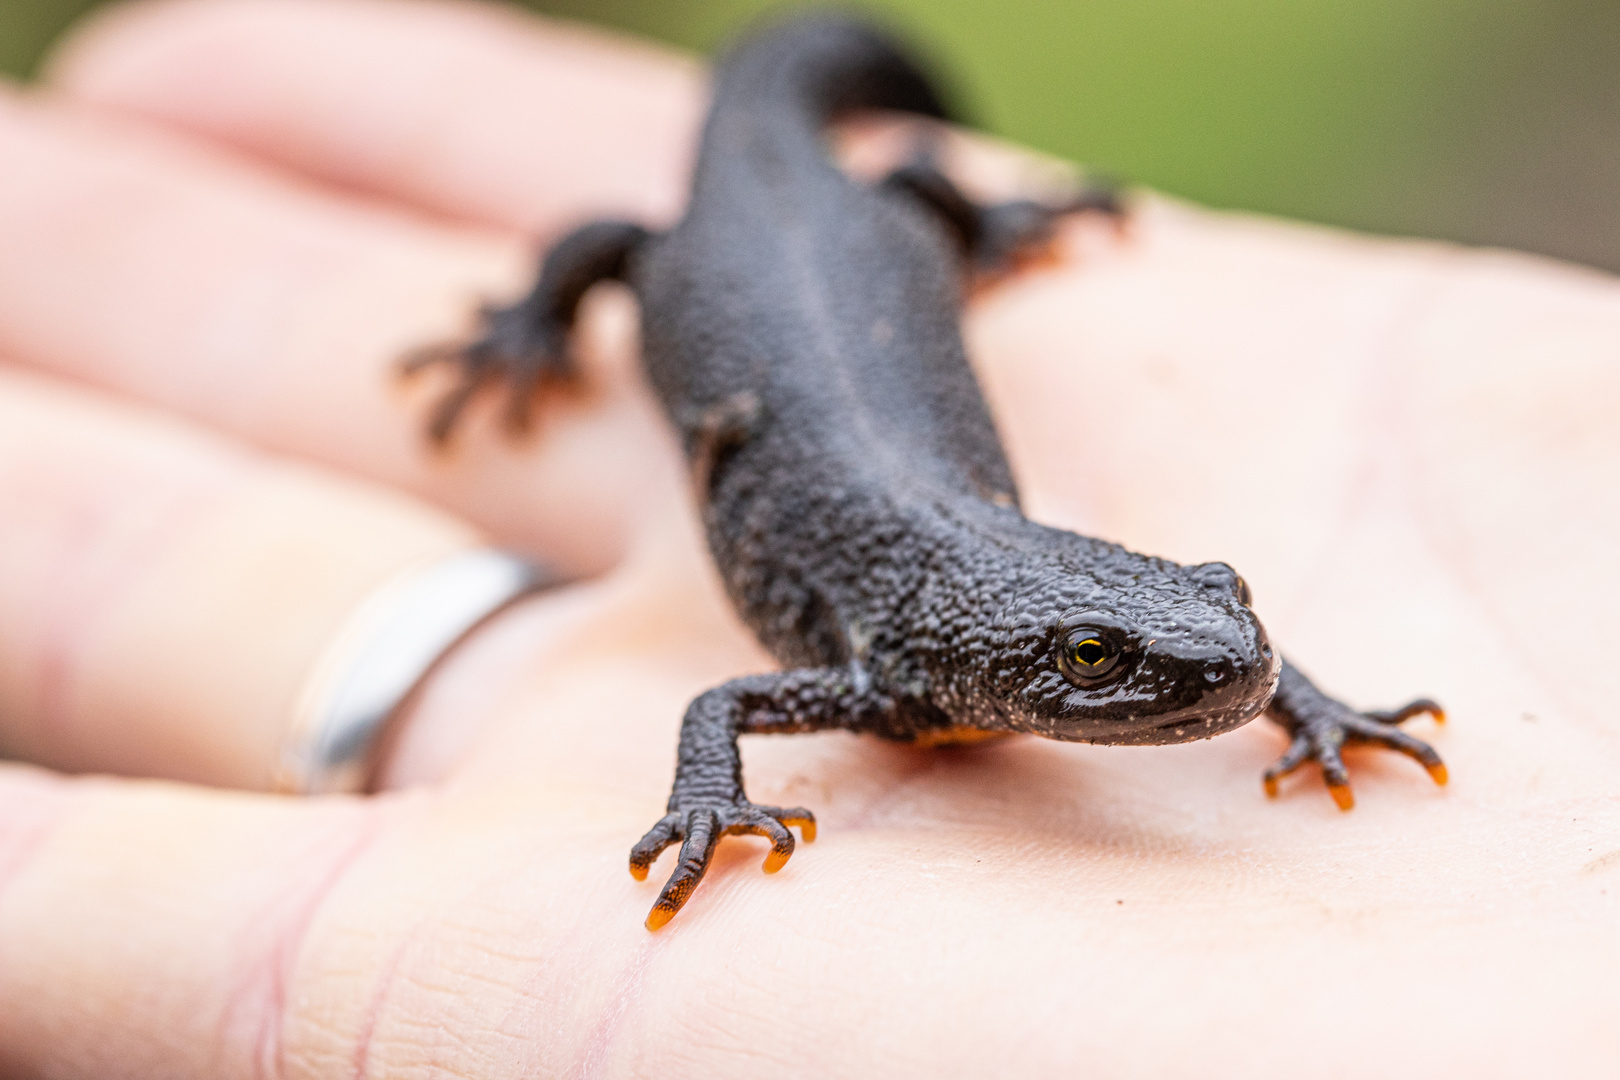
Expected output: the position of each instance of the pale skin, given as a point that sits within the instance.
(225, 221)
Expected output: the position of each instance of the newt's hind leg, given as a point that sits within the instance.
(708, 800)
(527, 342)
(1320, 726)
(996, 236)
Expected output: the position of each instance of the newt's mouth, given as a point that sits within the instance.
(1204, 725)
(1214, 712)
(1185, 726)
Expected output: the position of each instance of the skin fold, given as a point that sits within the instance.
(226, 220)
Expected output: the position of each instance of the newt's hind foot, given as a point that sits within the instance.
(527, 342)
(1000, 238)
(1023, 230)
(699, 828)
(1321, 726)
(515, 350)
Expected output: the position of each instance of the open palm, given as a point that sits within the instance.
(225, 222)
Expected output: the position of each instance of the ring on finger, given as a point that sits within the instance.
(387, 646)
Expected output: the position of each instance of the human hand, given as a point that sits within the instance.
(225, 222)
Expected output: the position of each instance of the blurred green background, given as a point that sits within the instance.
(1488, 121)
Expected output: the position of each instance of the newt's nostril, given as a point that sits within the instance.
(1218, 577)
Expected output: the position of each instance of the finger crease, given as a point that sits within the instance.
(275, 936)
(30, 812)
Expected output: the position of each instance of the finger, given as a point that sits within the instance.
(278, 315)
(466, 110)
(1335, 775)
(165, 594)
(449, 408)
(161, 925)
(522, 384)
(1296, 755)
(649, 847)
(1376, 732)
(702, 833)
(774, 831)
(1409, 710)
(798, 815)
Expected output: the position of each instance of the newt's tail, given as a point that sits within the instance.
(823, 65)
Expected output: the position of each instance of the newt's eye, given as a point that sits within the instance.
(1245, 597)
(1090, 652)
(1088, 656)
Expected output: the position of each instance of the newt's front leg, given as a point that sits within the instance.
(1321, 725)
(708, 800)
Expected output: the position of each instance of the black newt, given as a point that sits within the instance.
(802, 331)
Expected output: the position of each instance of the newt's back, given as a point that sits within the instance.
(810, 325)
(818, 294)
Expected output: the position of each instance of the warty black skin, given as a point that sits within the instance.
(802, 332)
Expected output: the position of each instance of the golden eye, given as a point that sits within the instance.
(1244, 596)
(1090, 652)
(1088, 656)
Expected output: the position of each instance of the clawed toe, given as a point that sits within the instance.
(518, 356)
(1298, 752)
(1409, 710)
(1382, 732)
(649, 847)
(699, 830)
(1320, 738)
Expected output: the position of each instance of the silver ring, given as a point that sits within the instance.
(383, 652)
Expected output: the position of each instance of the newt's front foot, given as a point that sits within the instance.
(1321, 726)
(700, 826)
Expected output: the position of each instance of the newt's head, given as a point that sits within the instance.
(1115, 647)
